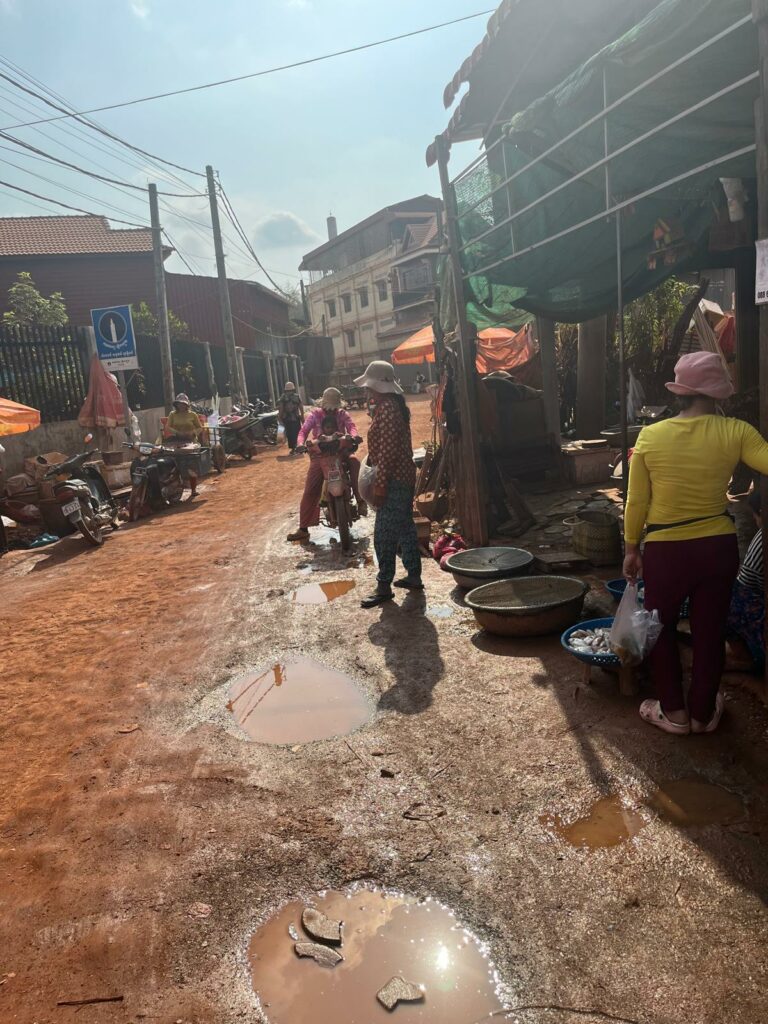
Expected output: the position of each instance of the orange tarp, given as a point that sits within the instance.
(420, 347)
(17, 419)
(498, 348)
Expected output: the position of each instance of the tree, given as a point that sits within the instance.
(27, 307)
(145, 322)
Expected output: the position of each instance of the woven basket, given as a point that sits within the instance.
(597, 537)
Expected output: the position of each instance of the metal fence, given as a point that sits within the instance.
(46, 368)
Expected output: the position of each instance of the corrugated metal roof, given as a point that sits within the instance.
(67, 236)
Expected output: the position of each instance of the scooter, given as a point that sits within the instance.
(337, 502)
(233, 433)
(81, 500)
(156, 481)
(263, 425)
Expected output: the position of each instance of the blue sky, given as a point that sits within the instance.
(347, 135)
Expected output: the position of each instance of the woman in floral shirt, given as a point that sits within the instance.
(390, 450)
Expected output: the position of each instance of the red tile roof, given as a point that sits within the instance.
(66, 236)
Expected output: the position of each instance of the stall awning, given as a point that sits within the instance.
(16, 418)
(680, 89)
(497, 349)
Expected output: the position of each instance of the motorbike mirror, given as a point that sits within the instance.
(88, 438)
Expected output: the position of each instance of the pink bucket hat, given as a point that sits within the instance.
(701, 373)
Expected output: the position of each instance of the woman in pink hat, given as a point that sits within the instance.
(678, 483)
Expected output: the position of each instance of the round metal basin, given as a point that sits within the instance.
(477, 566)
(528, 606)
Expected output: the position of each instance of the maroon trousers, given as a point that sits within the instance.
(309, 510)
(703, 570)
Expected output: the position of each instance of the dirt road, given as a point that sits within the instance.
(143, 838)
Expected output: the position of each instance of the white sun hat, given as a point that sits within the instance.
(380, 377)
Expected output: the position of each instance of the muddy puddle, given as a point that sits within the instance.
(297, 701)
(322, 593)
(446, 971)
(608, 823)
(686, 803)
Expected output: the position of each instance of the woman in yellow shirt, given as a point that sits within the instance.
(678, 482)
(184, 426)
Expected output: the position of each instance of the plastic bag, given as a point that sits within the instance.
(635, 630)
(367, 482)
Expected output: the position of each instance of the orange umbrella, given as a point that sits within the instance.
(17, 419)
(419, 348)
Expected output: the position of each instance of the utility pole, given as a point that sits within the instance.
(226, 309)
(166, 361)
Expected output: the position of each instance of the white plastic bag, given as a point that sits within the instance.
(635, 630)
(367, 482)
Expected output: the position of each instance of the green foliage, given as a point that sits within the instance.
(27, 307)
(649, 322)
(184, 375)
(145, 322)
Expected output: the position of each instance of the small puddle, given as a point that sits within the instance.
(608, 823)
(440, 611)
(297, 702)
(686, 803)
(384, 936)
(689, 803)
(322, 593)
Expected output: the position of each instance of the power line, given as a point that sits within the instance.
(103, 131)
(92, 125)
(240, 78)
(90, 174)
(229, 210)
(77, 209)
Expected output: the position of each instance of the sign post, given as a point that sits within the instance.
(116, 347)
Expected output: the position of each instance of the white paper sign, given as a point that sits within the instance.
(761, 277)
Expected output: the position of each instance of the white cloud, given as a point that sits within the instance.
(282, 230)
(140, 8)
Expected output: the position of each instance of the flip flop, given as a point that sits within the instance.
(712, 724)
(408, 583)
(650, 712)
(376, 598)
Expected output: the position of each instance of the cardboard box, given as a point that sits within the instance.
(38, 465)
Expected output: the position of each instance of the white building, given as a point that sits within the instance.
(373, 285)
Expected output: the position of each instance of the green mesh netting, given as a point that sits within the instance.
(573, 278)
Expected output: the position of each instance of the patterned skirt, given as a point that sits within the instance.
(746, 620)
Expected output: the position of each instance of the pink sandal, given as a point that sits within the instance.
(650, 712)
(712, 724)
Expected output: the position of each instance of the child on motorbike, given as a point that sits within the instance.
(328, 416)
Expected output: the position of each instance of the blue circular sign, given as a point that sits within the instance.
(113, 329)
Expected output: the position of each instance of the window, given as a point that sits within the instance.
(331, 308)
(382, 286)
(416, 278)
(351, 339)
(346, 301)
(363, 293)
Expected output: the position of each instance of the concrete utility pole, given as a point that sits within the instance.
(228, 327)
(164, 332)
(590, 378)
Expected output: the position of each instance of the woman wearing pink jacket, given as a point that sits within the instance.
(309, 511)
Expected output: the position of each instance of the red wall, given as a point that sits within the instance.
(86, 282)
(91, 282)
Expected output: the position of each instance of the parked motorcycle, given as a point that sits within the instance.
(264, 421)
(81, 499)
(233, 433)
(337, 502)
(156, 480)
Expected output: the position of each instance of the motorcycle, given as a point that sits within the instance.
(156, 481)
(233, 433)
(264, 421)
(81, 499)
(337, 502)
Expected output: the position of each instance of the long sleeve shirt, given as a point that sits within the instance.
(313, 424)
(187, 424)
(390, 448)
(681, 469)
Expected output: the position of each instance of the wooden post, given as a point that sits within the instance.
(545, 329)
(590, 378)
(760, 17)
(470, 488)
(241, 368)
(227, 325)
(164, 331)
(209, 369)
